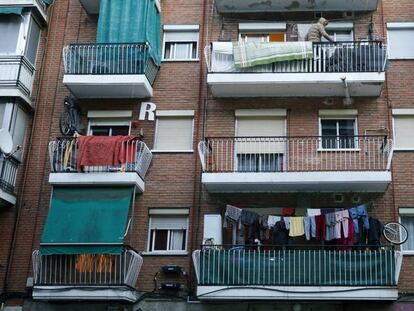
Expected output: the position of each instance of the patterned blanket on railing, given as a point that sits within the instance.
(249, 54)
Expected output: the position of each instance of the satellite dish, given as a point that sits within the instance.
(6, 141)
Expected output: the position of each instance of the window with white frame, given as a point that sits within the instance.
(180, 42)
(168, 233)
(21, 35)
(109, 123)
(260, 146)
(407, 220)
(338, 131)
(401, 40)
(15, 120)
(174, 130)
(403, 128)
(262, 32)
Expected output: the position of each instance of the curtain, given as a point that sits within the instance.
(176, 240)
(130, 21)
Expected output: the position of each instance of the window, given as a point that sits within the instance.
(401, 40)
(403, 128)
(260, 145)
(32, 41)
(180, 42)
(338, 133)
(10, 25)
(174, 131)
(407, 219)
(109, 123)
(262, 32)
(340, 32)
(168, 233)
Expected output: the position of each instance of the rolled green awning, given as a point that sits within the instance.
(86, 221)
(11, 10)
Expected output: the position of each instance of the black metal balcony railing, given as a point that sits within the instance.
(63, 155)
(16, 71)
(110, 59)
(361, 56)
(8, 172)
(87, 269)
(295, 154)
(295, 266)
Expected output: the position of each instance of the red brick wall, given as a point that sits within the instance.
(173, 179)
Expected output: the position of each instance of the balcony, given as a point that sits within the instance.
(86, 276)
(8, 172)
(341, 69)
(16, 77)
(38, 6)
(92, 6)
(299, 273)
(296, 164)
(96, 70)
(66, 169)
(254, 6)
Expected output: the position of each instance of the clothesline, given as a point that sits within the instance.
(320, 224)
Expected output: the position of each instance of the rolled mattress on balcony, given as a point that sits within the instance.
(249, 54)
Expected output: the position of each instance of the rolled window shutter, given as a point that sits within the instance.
(264, 128)
(168, 223)
(174, 133)
(401, 43)
(181, 36)
(404, 127)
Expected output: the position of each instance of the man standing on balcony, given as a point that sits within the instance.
(317, 30)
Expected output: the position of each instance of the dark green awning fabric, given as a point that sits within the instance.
(130, 21)
(86, 221)
(11, 10)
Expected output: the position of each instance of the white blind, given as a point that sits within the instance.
(168, 222)
(181, 36)
(403, 131)
(174, 133)
(401, 43)
(260, 127)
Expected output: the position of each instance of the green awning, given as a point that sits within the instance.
(89, 220)
(11, 10)
(130, 21)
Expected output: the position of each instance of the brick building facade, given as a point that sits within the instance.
(191, 85)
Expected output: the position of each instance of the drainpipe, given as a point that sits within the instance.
(348, 100)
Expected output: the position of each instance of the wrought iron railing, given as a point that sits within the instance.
(64, 156)
(361, 56)
(87, 269)
(295, 266)
(16, 71)
(296, 154)
(8, 173)
(110, 59)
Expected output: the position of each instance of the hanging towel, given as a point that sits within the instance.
(272, 220)
(104, 151)
(296, 226)
(359, 212)
(314, 211)
(233, 213)
(330, 222)
(310, 227)
(320, 227)
(250, 54)
(287, 222)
